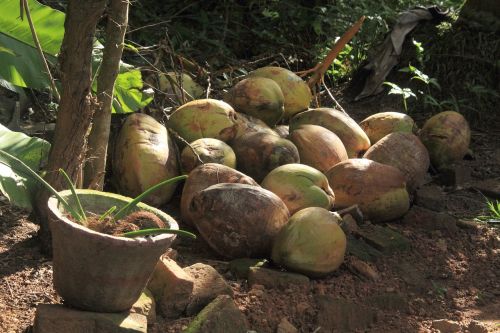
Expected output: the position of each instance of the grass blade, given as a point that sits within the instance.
(106, 213)
(79, 207)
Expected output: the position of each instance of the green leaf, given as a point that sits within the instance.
(18, 187)
(129, 96)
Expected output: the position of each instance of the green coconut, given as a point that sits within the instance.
(297, 94)
(258, 153)
(312, 243)
(355, 140)
(207, 150)
(170, 84)
(318, 147)
(299, 186)
(378, 189)
(204, 118)
(447, 137)
(259, 97)
(144, 155)
(380, 124)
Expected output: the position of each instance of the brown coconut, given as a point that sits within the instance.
(380, 124)
(447, 137)
(318, 147)
(238, 220)
(405, 152)
(378, 189)
(144, 155)
(248, 124)
(355, 140)
(259, 153)
(207, 150)
(283, 131)
(204, 176)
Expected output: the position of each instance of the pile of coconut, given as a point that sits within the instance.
(259, 189)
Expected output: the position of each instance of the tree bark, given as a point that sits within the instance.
(76, 107)
(95, 166)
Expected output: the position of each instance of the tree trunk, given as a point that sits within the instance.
(95, 166)
(76, 106)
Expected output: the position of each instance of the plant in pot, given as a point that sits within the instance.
(102, 260)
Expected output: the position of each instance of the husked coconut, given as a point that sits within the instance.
(144, 156)
(238, 220)
(355, 140)
(380, 124)
(405, 152)
(318, 147)
(447, 137)
(378, 189)
(208, 150)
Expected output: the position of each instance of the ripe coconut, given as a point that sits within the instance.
(299, 186)
(170, 84)
(204, 176)
(447, 137)
(259, 153)
(144, 155)
(312, 243)
(405, 152)
(318, 147)
(378, 189)
(380, 124)
(283, 131)
(247, 124)
(238, 220)
(204, 118)
(207, 150)
(259, 97)
(355, 140)
(297, 94)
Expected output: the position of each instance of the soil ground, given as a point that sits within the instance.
(442, 276)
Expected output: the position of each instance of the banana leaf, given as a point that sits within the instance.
(15, 186)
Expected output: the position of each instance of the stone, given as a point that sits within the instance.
(340, 315)
(208, 284)
(240, 267)
(384, 239)
(446, 326)
(361, 250)
(286, 327)
(477, 327)
(171, 286)
(348, 224)
(455, 175)
(362, 268)
(273, 279)
(55, 318)
(146, 306)
(431, 220)
(488, 187)
(431, 197)
(354, 211)
(220, 316)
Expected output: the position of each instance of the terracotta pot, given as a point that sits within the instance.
(98, 272)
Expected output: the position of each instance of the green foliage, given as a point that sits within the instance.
(405, 93)
(493, 214)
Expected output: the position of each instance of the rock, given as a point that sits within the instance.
(171, 286)
(145, 306)
(208, 284)
(340, 315)
(220, 316)
(384, 239)
(362, 268)
(431, 197)
(286, 327)
(354, 211)
(477, 327)
(455, 175)
(273, 279)
(348, 224)
(488, 187)
(361, 250)
(446, 326)
(240, 267)
(55, 318)
(431, 220)
(415, 278)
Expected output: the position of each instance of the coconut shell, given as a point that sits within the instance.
(204, 176)
(259, 153)
(380, 124)
(297, 94)
(378, 189)
(248, 124)
(405, 152)
(318, 147)
(209, 151)
(299, 186)
(447, 137)
(259, 97)
(238, 220)
(144, 155)
(204, 118)
(312, 243)
(355, 140)
(283, 131)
